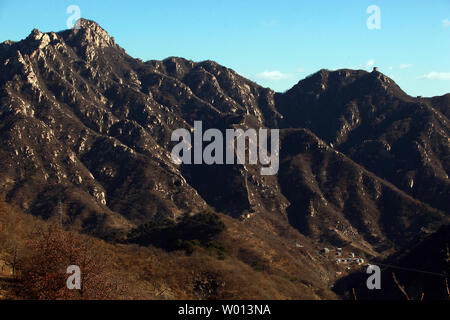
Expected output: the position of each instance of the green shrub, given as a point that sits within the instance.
(191, 231)
(187, 245)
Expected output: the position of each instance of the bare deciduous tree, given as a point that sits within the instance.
(402, 288)
(43, 273)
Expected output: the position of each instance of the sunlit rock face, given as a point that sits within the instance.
(83, 122)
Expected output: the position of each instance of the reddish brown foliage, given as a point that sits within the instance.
(43, 272)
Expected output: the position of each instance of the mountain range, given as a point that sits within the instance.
(85, 126)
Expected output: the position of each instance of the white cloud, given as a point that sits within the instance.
(401, 66)
(436, 76)
(369, 64)
(446, 23)
(404, 66)
(271, 23)
(274, 75)
(300, 70)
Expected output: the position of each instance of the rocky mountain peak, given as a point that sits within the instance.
(37, 39)
(90, 34)
(35, 34)
(342, 80)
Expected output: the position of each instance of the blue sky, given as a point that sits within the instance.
(275, 43)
